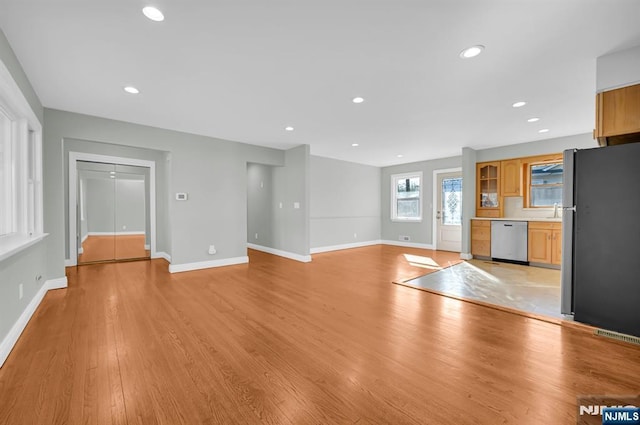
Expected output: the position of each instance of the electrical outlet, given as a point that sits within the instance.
(280, 204)
(124, 227)
(20, 291)
(212, 249)
(256, 236)
(355, 236)
(404, 238)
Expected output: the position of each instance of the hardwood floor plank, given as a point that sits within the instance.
(282, 342)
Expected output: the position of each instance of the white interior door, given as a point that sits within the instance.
(448, 211)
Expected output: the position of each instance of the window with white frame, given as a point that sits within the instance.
(406, 197)
(20, 167)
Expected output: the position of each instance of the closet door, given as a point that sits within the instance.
(131, 213)
(96, 212)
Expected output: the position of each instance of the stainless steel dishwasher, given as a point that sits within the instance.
(509, 241)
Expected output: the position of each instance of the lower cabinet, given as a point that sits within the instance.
(545, 242)
(481, 238)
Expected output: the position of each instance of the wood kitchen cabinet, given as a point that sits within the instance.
(545, 242)
(481, 238)
(618, 116)
(488, 202)
(511, 177)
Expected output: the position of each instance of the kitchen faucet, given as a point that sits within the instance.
(555, 210)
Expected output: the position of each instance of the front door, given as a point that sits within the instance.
(449, 212)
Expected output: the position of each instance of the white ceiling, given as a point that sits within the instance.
(243, 70)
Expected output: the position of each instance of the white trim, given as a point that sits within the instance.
(408, 244)
(394, 204)
(320, 249)
(466, 256)
(161, 254)
(70, 263)
(114, 233)
(80, 251)
(84, 238)
(12, 244)
(18, 327)
(434, 234)
(177, 268)
(147, 247)
(74, 157)
(280, 253)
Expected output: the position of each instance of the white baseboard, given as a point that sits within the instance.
(10, 340)
(320, 249)
(70, 263)
(114, 233)
(407, 244)
(465, 256)
(280, 253)
(161, 254)
(80, 251)
(84, 238)
(177, 268)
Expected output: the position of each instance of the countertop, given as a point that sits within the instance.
(551, 220)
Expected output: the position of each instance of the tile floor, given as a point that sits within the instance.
(530, 289)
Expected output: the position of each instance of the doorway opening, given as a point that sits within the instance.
(447, 209)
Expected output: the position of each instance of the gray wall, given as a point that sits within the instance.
(130, 206)
(539, 147)
(345, 202)
(418, 232)
(100, 206)
(618, 69)
(25, 266)
(112, 204)
(212, 171)
(290, 229)
(260, 204)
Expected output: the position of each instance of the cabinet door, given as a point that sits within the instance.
(618, 111)
(539, 245)
(556, 246)
(488, 188)
(511, 177)
(481, 238)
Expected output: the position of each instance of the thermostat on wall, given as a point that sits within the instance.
(181, 196)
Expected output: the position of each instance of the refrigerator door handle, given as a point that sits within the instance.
(573, 208)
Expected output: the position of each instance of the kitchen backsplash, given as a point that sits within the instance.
(513, 209)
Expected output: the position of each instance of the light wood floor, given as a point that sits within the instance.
(282, 342)
(117, 247)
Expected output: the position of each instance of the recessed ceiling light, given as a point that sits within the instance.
(519, 104)
(355, 145)
(132, 90)
(289, 128)
(399, 155)
(153, 13)
(471, 52)
(544, 130)
(533, 119)
(357, 100)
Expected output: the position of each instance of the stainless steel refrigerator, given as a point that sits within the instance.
(601, 237)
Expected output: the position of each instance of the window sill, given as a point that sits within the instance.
(400, 220)
(12, 244)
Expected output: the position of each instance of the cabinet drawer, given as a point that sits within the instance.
(544, 225)
(480, 223)
(481, 233)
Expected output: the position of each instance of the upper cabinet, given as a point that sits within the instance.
(488, 203)
(618, 116)
(511, 177)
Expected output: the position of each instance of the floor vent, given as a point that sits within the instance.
(620, 337)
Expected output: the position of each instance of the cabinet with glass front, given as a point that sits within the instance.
(488, 195)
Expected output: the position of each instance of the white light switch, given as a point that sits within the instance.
(296, 205)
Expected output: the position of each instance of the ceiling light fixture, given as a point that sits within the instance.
(131, 89)
(471, 52)
(544, 130)
(519, 104)
(355, 145)
(289, 128)
(153, 13)
(533, 119)
(358, 100)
